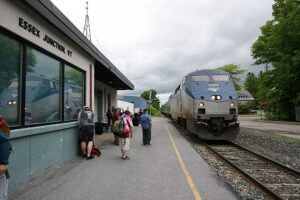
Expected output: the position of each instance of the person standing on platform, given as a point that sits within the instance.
(127, 134)
(109, 116)
(146, 123)
(86, 124)
(116, 116)
(5, 149)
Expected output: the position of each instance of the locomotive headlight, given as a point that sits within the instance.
(213, 97)
(219, 97)
(231, 104)
(201, 104)
(11, 102)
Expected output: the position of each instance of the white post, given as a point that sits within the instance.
(150, 101)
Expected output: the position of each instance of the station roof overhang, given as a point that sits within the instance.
(105, 71)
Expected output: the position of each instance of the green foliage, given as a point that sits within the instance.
(279, 44)
(251, 84)
(153, 111)
(244, 108)
(151, 95)
(235, 71)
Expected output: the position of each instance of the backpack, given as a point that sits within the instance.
(96, 152)
(87, 117)
(117, 128)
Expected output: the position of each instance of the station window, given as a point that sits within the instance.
(42, 97)
(73, 92)
(10, 58)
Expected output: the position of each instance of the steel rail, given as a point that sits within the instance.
(287, 169)
(271, 193)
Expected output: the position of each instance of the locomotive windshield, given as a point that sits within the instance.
(220, 77)
(201, 78)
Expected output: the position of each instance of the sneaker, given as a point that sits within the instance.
(90, 157)
(126, 158)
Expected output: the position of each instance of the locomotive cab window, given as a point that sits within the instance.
(201, 78)
(220, 77)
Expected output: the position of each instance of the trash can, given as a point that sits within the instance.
(136, 121)
(98, 128)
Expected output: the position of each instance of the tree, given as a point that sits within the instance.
(235, 71)
(251, 84)
(279, 44)
(151, 96)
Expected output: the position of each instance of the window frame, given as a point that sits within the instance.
(22, 80)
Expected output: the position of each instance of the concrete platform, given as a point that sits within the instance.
(288, 129)
(169, 169)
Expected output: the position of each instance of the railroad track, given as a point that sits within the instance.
(278, 181)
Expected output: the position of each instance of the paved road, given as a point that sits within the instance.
(290, 129)
(170, 169)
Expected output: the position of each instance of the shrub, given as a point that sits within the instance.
(244, 108)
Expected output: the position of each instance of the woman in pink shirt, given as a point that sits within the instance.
(127, 134)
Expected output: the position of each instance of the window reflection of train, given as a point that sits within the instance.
(205, 103)
(42, 99)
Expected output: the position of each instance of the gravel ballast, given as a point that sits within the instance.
(282, 149)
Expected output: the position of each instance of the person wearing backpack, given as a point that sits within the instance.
(116, 117)
(86, 123)
(5, 149)
(127, 134)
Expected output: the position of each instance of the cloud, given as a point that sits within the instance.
(156, 43)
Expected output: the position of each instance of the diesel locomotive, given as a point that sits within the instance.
(205, 103)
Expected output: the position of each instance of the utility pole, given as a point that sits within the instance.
(86, 29)
(150, 101)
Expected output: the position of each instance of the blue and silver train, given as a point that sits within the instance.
(205, 103)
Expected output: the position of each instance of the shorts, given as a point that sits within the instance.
(124, 143)
(3, 187)
(86, 133)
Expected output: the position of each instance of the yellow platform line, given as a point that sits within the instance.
(184, 169)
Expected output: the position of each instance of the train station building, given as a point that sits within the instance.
(48, 71)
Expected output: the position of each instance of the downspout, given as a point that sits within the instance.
(91, 87)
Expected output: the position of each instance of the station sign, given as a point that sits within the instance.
(46, 38)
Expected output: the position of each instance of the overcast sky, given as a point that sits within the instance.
(156, 42)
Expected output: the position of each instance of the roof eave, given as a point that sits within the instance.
(53, 15)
